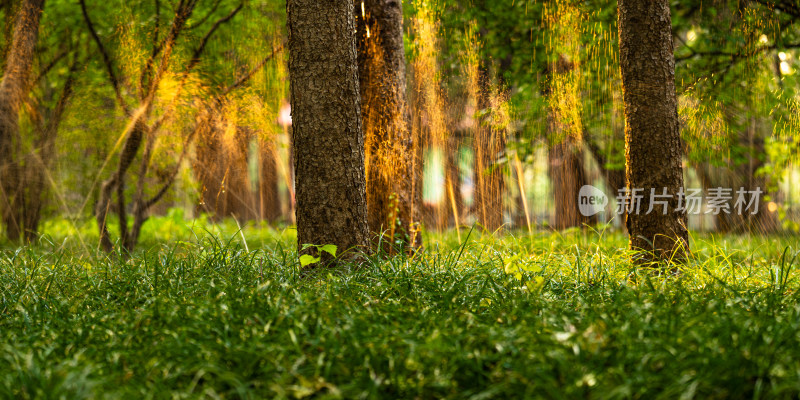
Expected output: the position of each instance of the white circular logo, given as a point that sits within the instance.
(591, 200)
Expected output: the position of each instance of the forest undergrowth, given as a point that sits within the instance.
(212, 311)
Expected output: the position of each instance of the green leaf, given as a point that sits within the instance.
(329, 248)
(306, 260)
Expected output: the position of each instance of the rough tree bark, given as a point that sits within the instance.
(386, 121)
(653, 144)
(326, 126)
(13, 89)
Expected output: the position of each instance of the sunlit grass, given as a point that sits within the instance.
(551, 315)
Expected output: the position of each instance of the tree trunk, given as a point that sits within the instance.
(326, 122)
(116, 184)
(565, 155)
(743, 175)
(386, 120)
(268, 195)
(614, 178)
(653, 143)
(9, 8)
(221, 165)
(13, 90)
(567, 175)
(454, 201)
(488, 145)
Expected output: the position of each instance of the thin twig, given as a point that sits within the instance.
(199, 51)
(203, 20)
(244, 78)
(112, 76)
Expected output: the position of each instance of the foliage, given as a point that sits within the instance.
(308, 259)
(206, 318)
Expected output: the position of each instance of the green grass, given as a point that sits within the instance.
(548, 316)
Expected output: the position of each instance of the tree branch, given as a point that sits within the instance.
(782, 6)
(58, 112)
(244, 78)
(157, 27)
(202, 121)
(182, 14)
(168, 184)
(115, 83)
(46, 69)
(205, 18)
(734, 56)
(199, 51)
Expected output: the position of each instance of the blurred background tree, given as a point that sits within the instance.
(138, 107)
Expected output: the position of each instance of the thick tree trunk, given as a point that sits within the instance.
(653, 143)
(9, 8)
(488, 146)
(326, 122)
(386, 120)
(13, 89)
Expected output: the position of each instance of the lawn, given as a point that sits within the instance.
(225, 314)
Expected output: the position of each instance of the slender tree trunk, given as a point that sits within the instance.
(567, 175)
(488, 145)
(139, 132)
(743, 175)
(221, 166)
(454, 201)
(13, 90)
(326, 122)
(421, 148)
(209, 169)
(268, 195)
(565, 155)
(653, 143)
(116, 184)
(32, 195)
(614, 178)
(386, 120)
